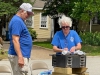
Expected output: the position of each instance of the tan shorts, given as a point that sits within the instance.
(15, 67)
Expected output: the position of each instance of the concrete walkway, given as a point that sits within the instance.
(93, 62)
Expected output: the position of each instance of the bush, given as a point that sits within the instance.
(33, 33)
(90, 38)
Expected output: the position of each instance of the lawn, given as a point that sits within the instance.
(89, 50)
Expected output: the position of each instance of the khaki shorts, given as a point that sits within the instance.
(15, 67)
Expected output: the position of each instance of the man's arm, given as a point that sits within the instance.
(15, 40)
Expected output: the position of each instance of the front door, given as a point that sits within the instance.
(56, 25)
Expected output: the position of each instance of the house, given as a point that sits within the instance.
(87, 27)
(43, 25)
(46, 27)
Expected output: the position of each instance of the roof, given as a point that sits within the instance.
(38, 4)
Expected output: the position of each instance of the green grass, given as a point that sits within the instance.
(43, 44)
(89, 50)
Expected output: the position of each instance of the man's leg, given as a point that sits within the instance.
(15, 67)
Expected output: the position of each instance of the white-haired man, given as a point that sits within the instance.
(66, 39)
(20, 40)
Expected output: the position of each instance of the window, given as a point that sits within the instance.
(96, 19)
(29, 22)
(43, 21)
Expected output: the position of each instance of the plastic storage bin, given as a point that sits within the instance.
(73, 61)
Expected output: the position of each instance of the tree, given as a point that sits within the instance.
(86, 10)
(9, 8)
(73, 8)
(76, 9)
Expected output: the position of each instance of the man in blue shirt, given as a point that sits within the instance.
(66, 39)
(20, 40)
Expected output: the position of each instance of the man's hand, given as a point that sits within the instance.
(21, 61)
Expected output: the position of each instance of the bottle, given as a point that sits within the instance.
(49, 72)
(43, 73)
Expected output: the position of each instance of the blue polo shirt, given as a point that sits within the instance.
(61, 41)
(18, 27)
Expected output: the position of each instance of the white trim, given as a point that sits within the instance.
(30, 22)
(40, 20)
(52, 28)
(37, 8)
(47, 21)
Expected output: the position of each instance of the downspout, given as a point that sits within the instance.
(90, 25)
(52, 28)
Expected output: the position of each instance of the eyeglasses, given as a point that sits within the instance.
(63, 27)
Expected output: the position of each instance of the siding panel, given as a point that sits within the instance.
(42, 32)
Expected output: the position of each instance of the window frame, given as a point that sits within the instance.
(96, 20)
(41, 20)
(32, 22)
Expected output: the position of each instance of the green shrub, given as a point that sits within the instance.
(33, 33)
(90, 38)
